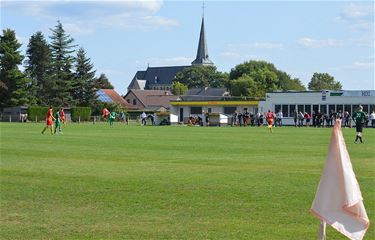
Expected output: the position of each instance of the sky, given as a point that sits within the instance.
(122, 37)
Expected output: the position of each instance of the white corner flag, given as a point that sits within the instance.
(338, 200)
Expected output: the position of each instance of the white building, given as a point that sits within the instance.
(324, 101)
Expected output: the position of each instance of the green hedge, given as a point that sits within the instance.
(37, 113)
(80, 113)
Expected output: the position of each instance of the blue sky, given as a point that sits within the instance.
(299, 37)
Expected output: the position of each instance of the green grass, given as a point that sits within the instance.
(174, 182)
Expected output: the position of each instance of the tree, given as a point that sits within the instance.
(179, 88)
(266, 77)
(61, 49)
(102, 82)
(37, 66)
(324, 81)
(16, 84)
(201, 76)
(83, 88)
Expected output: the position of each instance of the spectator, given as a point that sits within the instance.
(307, 117)
(279, 118)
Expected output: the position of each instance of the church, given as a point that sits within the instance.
(160, 78)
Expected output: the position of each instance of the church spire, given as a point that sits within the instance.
(202, 53)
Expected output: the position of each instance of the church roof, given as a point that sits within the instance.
(162, 75)
(202, 53)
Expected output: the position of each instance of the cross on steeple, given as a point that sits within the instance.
(203, 7)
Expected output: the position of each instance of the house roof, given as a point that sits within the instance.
(154, 98)
(110, 95)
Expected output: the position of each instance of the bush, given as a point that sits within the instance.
(37, 113)
(81, 113)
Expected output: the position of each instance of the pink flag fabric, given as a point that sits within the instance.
(338, 200)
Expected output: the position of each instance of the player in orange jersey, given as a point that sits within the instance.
(49, 120)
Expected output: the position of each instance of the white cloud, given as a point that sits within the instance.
(353, 11)
(77, 29)
(358, 17)
(361, 65)
(316, 43)
(85, 16)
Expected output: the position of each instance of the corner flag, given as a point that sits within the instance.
(338, 200)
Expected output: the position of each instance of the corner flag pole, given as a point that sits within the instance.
(322, 231)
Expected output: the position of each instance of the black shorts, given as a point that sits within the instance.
(359, 127)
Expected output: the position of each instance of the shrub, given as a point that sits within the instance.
(37, 113)
(81, 113)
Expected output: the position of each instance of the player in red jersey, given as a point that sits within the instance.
(49, 120)
(62, 115)
(105, 113)
(270, 116)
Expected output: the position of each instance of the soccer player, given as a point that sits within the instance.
(359, 118)
(269, 118)
(49, 120)
(111, 118)
(57, 122)
(62, 115)
(105, 113)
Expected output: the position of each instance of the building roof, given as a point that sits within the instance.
(162, 75)
(137, 81)
(155, 76)
(110, 95)
(202, 52)
(154, 98)
(207, 91)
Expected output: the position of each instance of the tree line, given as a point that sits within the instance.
(248, 79)
(55, 73)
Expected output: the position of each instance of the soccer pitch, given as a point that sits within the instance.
(172, 182)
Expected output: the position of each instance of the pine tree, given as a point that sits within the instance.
(61, 49)
(38, 66)
(15, 87)
(102, 82)
(84, 91)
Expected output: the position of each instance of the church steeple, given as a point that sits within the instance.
(202, 53)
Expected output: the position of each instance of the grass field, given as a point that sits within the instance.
(173, 182)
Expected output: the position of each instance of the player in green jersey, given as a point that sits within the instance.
(359, 118)
(57, 122)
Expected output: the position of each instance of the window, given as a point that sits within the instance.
(134, 101)
(331, 108)
(292, 108)
(209, 110)
(277, 108)
(339, 108)
(348, 108)
(315, 108)
(285, 110)
(128, 100)
(301, 108)
(196, 110)
(365, 108)
(229, 110)
(323, 109)
(308, 109)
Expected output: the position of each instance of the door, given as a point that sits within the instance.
(181, 115)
